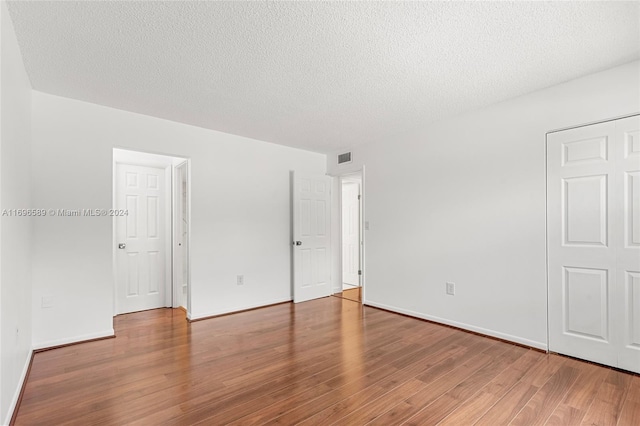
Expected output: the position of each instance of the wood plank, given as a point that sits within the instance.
(579, 397)
(540, 407)
(457, 396)
(440, 381)
(476, 406)
(606, 407)
(630, 414)
(503, 411)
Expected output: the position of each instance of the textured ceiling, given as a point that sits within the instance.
(316, 75)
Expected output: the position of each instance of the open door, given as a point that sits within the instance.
(311, 234)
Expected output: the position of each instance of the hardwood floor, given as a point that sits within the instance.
(350, 293)
(316, 363)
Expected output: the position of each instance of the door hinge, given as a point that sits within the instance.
(359, 272)
(359, 196)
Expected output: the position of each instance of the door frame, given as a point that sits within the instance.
(145, 158)
(360, 173)
(175, 205)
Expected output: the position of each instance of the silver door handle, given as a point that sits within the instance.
(122, 246)
(297, 243)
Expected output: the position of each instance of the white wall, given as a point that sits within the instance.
(463, 200)
(240, 212)
(15, 232)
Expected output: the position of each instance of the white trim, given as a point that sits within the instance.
(189, 237)
(168, 242)
(76, 339)
(546, 235)
(192, 317)
(16, 394)
(562, 129)
(487, 332)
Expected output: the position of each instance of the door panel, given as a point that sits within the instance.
(141, 264)
(582, 261)
(632, 204)
(133, 282)
(311, 224)
(632, 320)
(585, 304)
(585, 210)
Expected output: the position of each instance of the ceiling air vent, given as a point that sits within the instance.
(344, 158)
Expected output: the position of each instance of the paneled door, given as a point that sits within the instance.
(311, 237)
(591, 190)
(140, 236)
(351, 233)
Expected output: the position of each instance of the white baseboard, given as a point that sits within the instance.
(485, 331)
(195, 317)
(16, 395)
(75, 339)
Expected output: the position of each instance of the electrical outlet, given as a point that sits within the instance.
(47, 301)
(240, 280)
(366, 225)
(451, 289)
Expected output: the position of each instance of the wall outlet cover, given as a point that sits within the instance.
(451, 289)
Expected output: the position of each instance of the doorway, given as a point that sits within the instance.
(181, 228)
(351, 236)
(150, 231)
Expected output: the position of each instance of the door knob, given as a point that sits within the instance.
(298, 243)
(122, 246)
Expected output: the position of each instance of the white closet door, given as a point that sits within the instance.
(593, 214)
(582, 242)
(628, 256)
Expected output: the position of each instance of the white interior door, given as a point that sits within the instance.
(140, 237)
(628, 256)
(351, 233)
(594, 307)
(311, 234)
